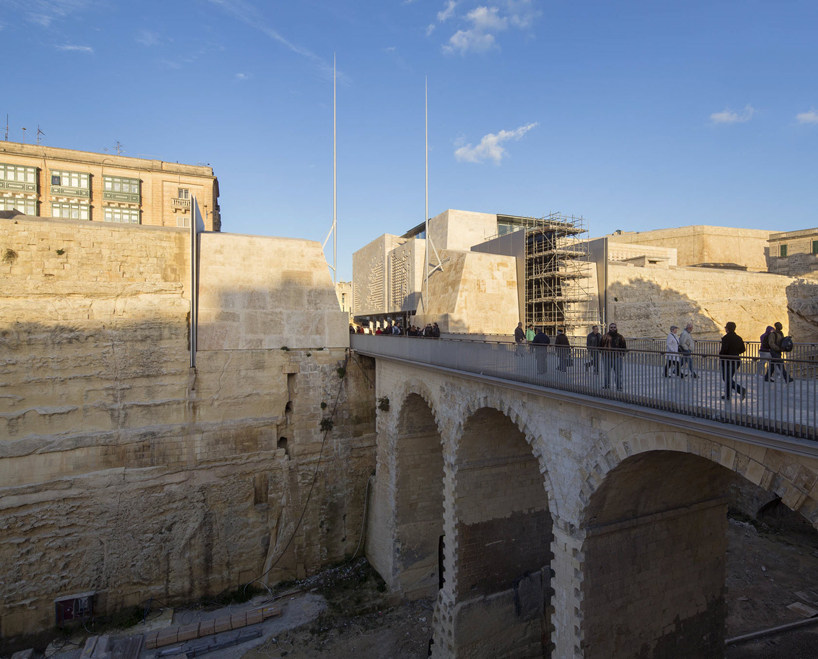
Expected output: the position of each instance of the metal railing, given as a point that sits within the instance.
(705, 386)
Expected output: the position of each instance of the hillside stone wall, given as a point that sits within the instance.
(125, 472)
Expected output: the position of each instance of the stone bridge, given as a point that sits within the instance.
(547, 523)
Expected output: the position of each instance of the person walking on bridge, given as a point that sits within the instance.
(775, 341)
(686, 347)
(592, 343)
(672, 354)
(732, 345)
(540, 346)
(613, 348)
(519, 339)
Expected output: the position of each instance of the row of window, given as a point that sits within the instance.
(18, 173)
(71, 211)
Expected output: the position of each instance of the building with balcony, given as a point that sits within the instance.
(44, 181)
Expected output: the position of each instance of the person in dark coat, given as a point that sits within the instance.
(519, 339)
(732, 345)
(540, 346)
(613, 348)
(563, 347)
(592, 342)
(774, 340)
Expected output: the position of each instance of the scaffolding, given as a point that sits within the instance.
(558, 275)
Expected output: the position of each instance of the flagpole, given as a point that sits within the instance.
(334, 183)
(426, 208)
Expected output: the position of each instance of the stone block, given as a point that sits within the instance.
(167, 636)
(188, 632)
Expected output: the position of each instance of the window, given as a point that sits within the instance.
(184, 193)
(122, 215)
(18, 177)
(118, 188)
(70, 183)
(782, 251)
(25, 206)
(70, 211)
(815, 247)
(183, 221)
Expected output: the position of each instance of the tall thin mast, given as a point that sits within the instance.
(424, 294)
(334, 185)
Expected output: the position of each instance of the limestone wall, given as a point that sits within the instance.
(646, 301)
(124, 472)
(474, 293)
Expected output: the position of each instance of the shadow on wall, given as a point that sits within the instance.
(644, 309)
(802, 310)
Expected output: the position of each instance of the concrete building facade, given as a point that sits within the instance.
(794, 253)
(44, 181)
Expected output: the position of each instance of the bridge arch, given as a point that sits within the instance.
(654, 543)
(498, 541)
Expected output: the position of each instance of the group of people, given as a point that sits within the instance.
(611, 345)
(680, 352)
(610, 348)
(394, 329)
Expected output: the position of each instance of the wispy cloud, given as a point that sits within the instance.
(478, 27)
(250, 15)
(491, 146)
(46, 12)
(242, 76)
(76, 49)
(810, 117)
(728, 116)
(148, 38)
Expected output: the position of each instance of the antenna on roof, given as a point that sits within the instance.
(24, 134)
(118, 148)
(7, 126)
(39, 133)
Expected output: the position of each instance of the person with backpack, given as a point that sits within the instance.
(764, 356)
(779, 344)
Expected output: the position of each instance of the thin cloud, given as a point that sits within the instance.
(728, 116)
(76, 49)
(491, 146)
(147, 38)
(810, 117)
(46, 12)
(249, 15)
(242, 76)
(447, 12)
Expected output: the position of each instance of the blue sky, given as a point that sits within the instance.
(633, 114)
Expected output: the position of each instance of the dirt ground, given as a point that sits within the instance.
(346, 611)
(765, 570)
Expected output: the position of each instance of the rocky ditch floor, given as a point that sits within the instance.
(346, 611)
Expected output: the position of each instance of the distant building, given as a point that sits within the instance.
(44, 181)
(794, 253)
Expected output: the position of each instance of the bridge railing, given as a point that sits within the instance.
(704, 386)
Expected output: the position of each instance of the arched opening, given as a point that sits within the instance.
(418, 499)
(653, 583)
(502, 552)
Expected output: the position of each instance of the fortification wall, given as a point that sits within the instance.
(646, 301)
(125, 472)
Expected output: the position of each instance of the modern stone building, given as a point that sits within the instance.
(44, 181)
(645, 281)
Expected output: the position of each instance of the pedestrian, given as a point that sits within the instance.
(530, 334)
(672, 352)
(592, 344)
(613, 348)
(764, 356)
(563, 347)
(732, 345)
(540, 346)
(775, 341)
(686, 347)
(519, 339)
(435, 331)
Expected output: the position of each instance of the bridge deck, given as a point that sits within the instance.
(787, 409)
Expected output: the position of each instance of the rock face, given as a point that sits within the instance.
(127, 473)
